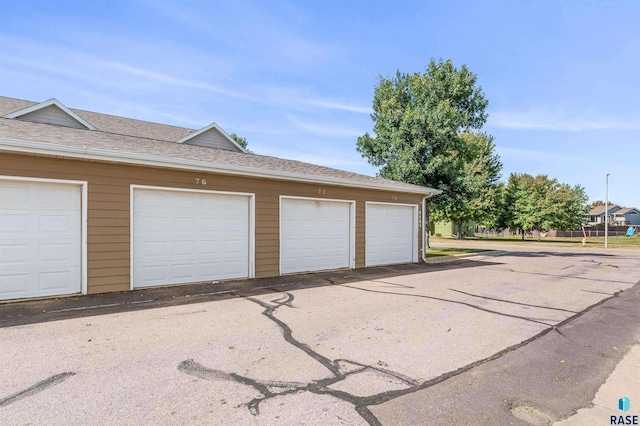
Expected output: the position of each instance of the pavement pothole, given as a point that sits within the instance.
(531, 415)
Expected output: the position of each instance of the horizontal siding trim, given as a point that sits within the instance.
(109, 272)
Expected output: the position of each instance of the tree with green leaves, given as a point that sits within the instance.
(240, 141)
(424, 134)
(474, 189)
(598, 203)
(540, 204)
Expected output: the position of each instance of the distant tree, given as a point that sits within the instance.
(598, 203)
(498, 218)
(570, 207)
(240, 141)
(474, 191)
(539, 204)
(422, 125)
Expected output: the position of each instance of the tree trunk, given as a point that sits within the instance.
(459, 230)
(522, 234)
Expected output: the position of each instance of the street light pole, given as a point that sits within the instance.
(606, 214)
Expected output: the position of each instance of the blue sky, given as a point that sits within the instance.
(297, 78)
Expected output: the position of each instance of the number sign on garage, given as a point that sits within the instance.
(316, 234)
(391, 234)
(184, 236)
(42, 230)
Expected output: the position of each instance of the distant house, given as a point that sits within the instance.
(627, 216)
(447, 228)
(597, 214)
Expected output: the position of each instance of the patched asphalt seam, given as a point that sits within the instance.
(512, 302)
(37, 388)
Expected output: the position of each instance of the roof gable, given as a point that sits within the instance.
(51, 112)
(212, 136)
(599, 210)
(627, 210)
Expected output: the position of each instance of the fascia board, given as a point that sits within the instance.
(52, 101)
(22, 146)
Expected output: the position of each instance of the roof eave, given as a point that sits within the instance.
(42, 148)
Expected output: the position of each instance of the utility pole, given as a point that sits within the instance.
(606, 214)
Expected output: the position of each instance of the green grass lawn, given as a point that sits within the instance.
(451, 251)
(614, 242)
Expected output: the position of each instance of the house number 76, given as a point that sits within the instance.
(202, 181)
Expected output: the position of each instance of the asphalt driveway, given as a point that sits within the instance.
(373, 347)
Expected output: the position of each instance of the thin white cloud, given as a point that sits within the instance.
(324, 103)
(168, 79)
(538, 156)
(251, 28)
(558, 121)
(26, 56)
(324, 129)
(346, 162)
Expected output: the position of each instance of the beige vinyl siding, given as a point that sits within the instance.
(108, 221)
(212, 138)
(52, 115)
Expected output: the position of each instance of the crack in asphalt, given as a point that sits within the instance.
(558, 276)
(390, 283)
(596, 292)
(512, 302)
(193, 368)
(288, 333)
(360, 403)
(457, 302)
(37, 388)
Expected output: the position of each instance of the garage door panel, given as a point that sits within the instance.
(193, 238)
(13, 283)
(214, 268)
(17, 194)
(14, 223)
(390, 234)
(183, 224)
(183, 248)
(41, 235)
(315, 235)
(13, 254)
(56, 280)
(57, 253)
(57, 223)
(210, 225)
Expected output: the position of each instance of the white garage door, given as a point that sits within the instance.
(40, 239)
(183, 237)
(392, 235)
(315, 235)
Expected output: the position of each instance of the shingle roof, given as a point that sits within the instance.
(155, 141)
(110, 123)
(625, 210)
(598, 210)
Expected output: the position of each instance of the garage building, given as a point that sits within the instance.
(94, 203)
